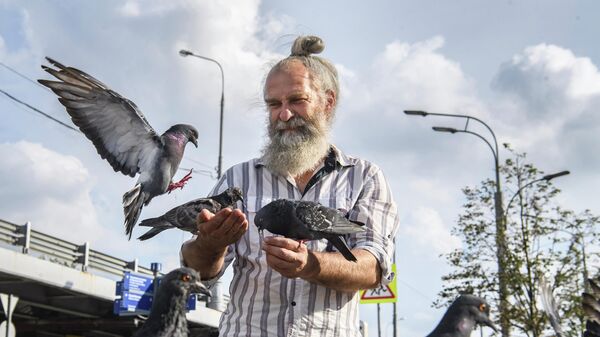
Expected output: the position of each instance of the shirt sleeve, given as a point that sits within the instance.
(221, 186)
(376, 209)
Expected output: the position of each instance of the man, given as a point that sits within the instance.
(283, 288)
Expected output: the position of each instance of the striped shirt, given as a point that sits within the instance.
(265, 304)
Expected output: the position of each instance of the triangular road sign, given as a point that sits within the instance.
(383, 292)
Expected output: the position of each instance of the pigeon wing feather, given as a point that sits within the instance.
(114, 124)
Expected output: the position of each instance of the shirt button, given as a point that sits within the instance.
(293, 303)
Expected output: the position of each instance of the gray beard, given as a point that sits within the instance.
(297, 151)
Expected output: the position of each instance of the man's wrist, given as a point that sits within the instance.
(312, 268)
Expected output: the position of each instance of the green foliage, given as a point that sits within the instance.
(542, 239)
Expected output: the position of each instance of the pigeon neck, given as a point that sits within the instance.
(168, 314)
(176, 137)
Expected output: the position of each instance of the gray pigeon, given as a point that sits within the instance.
(462, 316)
(307, 220)
(591, 307)
(167, 315)
(122, 136)
(185, 216)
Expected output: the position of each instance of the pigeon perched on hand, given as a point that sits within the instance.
(167, 315)
(185, 216)
(122, 136)
(307, 220)
(461, 317)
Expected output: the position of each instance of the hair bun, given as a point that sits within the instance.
(306, 45)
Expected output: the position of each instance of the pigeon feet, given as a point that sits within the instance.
(300, 242)
(180, 183)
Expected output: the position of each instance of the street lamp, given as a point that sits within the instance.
(547, 177)
(500, 220)
(185, 53)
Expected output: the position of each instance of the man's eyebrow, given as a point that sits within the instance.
(271, 100)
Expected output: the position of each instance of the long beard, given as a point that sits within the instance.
(299, 150)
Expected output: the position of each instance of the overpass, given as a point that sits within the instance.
(63, 288)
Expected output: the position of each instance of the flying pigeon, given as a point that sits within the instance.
(185, 216)
(461, 317)
(122, 136)
(307, 220)
(167, 315)
(591, 307)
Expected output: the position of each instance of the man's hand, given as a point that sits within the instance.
(289, 257)
(217, 231)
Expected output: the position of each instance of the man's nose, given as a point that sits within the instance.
(285, 114)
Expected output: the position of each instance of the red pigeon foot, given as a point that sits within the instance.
(180, 183)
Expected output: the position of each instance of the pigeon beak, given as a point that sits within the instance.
(487, 321)
(194, 141)
(200, 288)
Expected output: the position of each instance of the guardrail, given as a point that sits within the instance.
(63, 252)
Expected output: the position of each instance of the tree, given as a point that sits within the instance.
(543, 240)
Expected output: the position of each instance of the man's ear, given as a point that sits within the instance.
(330, 101)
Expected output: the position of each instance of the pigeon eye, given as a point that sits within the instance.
(482, 307)
(186, 278)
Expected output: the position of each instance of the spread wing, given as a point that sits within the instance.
(118, 129)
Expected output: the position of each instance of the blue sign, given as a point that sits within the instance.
(135, 293)
(137, 283)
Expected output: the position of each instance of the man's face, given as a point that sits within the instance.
(299, 120)
(290, 93)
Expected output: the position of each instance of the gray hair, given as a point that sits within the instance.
(320, 69)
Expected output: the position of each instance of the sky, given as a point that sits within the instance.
(528, 68)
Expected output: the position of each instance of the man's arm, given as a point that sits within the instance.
(216, 232)
(331, 270)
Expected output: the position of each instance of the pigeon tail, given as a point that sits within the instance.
(158, 225)
(133, 202)
(342, 247)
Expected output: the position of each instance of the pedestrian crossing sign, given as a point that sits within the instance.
(382, 294)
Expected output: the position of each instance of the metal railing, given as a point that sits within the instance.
(63, 252)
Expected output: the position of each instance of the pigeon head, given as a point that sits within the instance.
(183, 281)
(189, 131)
(269, 217)
(462, 316)
(233, 195)
(477, 308)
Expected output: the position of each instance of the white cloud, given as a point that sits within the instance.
(49, 189)
(549, 97)
(419, 75)
(428, 231)
(549, 81)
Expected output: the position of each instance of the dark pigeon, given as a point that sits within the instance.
(462, 316)
(306, 220)
(122, 136)
(591, 307)
(185, 216)
(167, 315)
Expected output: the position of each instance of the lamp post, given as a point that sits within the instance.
(500, 220)
(185, 53)
(547, 177)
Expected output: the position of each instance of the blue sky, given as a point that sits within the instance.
(528, 68)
